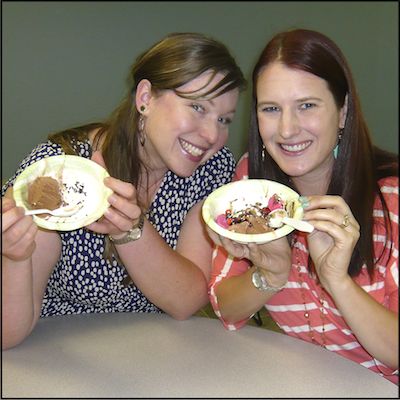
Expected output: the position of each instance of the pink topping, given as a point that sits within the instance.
(275, 203)
(221, 221)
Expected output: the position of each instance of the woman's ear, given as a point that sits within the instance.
(343, 113)
(143, 95)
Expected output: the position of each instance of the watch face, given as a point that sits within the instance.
(256, 280)
(135, 234)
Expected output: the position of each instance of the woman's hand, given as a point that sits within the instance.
(18, 231)
(124, 211)
(332, 242)
(273, 257)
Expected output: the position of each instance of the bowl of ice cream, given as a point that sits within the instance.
(63, 181)
(241, 210)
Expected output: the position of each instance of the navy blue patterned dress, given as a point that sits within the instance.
(85, 282)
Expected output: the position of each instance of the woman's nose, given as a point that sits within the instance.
(209, 131)
(289, 124)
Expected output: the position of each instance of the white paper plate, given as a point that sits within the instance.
(248, 191)
(84, 180)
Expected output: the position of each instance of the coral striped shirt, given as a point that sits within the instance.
(302, 294)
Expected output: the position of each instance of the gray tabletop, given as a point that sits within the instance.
(151, 355)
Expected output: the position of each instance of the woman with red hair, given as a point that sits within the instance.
(336, 287)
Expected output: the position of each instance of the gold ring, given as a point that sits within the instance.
(345, 222)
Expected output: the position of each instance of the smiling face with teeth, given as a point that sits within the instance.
(298, 121)
(182, 133)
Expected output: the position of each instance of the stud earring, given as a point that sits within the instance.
(142, 108)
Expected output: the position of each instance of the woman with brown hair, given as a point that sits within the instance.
(164, 150)
(337, 286)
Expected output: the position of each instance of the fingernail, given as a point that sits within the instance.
(304, 201)
(112, 199)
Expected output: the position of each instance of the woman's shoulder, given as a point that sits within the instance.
(224, 154)
(215, 172)
(387, 182)
(389, 187)
(242, 168)
(221, 163)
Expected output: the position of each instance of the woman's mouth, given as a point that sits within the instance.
(296, 148)
(194, 153)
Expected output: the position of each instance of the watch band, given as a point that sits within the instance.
(260, 282)
(133, 234)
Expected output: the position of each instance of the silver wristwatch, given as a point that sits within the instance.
(134, 233)
(260, 282)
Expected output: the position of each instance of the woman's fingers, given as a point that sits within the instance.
(18, 234)
(330, 209)
(123, 212)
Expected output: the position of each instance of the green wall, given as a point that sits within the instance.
(66, 63)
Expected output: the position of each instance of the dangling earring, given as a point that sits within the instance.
(142, 133)
(336, 149)
(263, 154)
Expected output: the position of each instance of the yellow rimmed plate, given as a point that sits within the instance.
(82, 181)
(241, 194)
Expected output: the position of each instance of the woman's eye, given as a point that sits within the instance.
(269, 109)
(224, 121)
(306, 106)
(197, 107)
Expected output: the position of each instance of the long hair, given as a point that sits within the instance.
(360, 164)
(168, 64)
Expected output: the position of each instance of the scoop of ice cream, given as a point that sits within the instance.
(252, 225)
(241, 227)
(44, 192)
(258, 224)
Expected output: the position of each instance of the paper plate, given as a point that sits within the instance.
(241, 194)
(82, 180)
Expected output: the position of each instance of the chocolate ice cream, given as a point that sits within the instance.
(44, 192)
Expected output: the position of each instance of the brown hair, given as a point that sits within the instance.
(360, 164)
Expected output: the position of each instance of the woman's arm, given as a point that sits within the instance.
(28, 257)
(176, 281)
(238, 299)
(376, 327)
(232, 291)
(331, 246)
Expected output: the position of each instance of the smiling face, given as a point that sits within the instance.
(298, 122)
(184, 133)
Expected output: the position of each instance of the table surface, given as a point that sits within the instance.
(152, 355)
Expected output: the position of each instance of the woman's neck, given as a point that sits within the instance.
(313, 184)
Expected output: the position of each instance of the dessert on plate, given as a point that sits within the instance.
(253, 219)
(246, 211)
(63, 181)
(44, 192)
